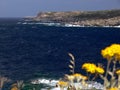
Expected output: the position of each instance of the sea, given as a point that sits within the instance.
(36, 51)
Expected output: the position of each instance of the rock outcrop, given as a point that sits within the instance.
(90, 18)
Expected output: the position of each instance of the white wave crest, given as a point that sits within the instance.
(49, 82)
(52, 83)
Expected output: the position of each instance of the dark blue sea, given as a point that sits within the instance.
(29, 51)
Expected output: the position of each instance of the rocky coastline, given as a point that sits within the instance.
(82, 18)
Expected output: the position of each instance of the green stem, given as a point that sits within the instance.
(96, 75)
(106, 74)
(107, 69)
(89, 75)
(119, 82)
(112, 81)
(114, 67)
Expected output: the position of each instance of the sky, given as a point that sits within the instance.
(23, 8)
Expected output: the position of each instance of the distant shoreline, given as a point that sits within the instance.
(81, 18)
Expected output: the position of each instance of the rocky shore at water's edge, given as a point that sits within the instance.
(82, 18)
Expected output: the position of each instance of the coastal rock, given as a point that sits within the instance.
(82, 18)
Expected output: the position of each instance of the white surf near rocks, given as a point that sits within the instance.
(52, 83)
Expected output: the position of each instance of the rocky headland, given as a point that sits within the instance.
(82, 18)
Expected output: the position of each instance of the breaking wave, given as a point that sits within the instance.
(51, 84)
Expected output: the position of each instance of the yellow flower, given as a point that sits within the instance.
(63, 84)
(84, 77)
(14, 88)
(118, 71)
(111, 51)
(70, 77)
(92, 68)
(89, 67)
(79, 77)
(99, 70)
(113, 88)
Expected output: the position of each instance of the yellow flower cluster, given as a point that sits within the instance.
(118, 71)
(76, 76)
(99, 70)
(113, 88)
(70, 77)
(92, 68)
(80, 76)
(111, 51)
(89, 67)
(63, 84)
(14, 88)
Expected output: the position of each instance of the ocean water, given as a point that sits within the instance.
(36, 51)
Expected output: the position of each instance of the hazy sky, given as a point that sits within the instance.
(21, 8)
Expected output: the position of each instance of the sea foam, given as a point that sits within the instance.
(52, 83)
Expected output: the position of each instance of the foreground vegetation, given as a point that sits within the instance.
(112, 54)
(76, 81)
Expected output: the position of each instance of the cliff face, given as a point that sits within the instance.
(93, 18)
